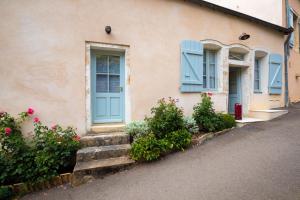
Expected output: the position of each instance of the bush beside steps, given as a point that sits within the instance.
(168, 130)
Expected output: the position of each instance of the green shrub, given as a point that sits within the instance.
(136, 129)
(148, 148)
(178, 140)
(228, 120)
(55, 150)
(206, 117)
(191, 125)
(16, 156)
(167, 117)
(5, 193)
(50, 152)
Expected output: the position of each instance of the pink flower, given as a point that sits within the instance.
(36, 120)
(54, 127)
(30, 111)
(76, 137)
(209, 94)
(7, 131)
(2, 113)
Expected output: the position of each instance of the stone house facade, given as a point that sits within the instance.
(102, 63)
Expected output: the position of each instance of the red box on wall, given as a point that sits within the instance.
(238, 111)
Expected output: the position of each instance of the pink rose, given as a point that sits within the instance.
(54, 127)
(209, 94)
(30, 111)
(77, 138)
(36, 120)
(7, 131)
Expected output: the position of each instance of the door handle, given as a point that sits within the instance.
(121, 89)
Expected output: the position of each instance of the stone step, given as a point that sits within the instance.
(102, 152)
(105, 139)
(107, 128)
(266, 114)
(86, 171)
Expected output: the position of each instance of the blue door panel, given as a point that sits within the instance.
(107, 87)
(100, 105)
(234, 88)
(115, 106)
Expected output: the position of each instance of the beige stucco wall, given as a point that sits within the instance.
(294, 60)
(43, 64)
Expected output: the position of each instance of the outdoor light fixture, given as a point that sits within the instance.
(107, 29)
(244, 36)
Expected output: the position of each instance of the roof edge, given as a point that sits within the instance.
(281, 29)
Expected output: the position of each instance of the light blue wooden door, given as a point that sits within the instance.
(234, 88)
(107, 85)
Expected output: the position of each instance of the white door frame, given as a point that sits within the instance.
(89, 46)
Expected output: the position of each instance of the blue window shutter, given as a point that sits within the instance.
(191, 66)
(275, 74)
(290, 21)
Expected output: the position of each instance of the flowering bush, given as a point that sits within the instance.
(165, 132)
(178, 140)
(50, 152)
(207, 119)
(55, 149)
(205, 116)
(14, 152)
(148, 148)
(167, 117)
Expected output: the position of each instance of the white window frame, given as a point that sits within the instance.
(257, 68)
(206, 68)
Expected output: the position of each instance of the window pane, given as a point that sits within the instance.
(256, 75)
(101, 64)
(204, 82)
(114, 83)
(209, 69)
(212, 82)
(204, 70)
(114, 65)
(233, 82)
(212, 57)
(101, 83)
(232, 87)
(256, 85)
(212, 69)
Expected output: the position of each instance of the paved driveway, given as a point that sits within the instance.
(257, 162)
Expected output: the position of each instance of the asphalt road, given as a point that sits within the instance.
(260, 161)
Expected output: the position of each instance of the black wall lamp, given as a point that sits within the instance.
(244, 36)
(108, 29)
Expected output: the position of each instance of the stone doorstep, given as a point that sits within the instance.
(86, 171)
(105, 140)
(105, 128)
(267, 114)
(102, 152)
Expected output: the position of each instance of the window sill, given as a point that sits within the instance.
(214, 91)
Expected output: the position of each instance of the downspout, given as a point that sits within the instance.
(286, 57)
(286, 75)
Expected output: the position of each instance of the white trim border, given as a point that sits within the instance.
(89, 46)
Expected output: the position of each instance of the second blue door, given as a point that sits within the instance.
(234, 88)
(107, 77)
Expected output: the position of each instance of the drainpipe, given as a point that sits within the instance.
(286, 75)
(286, 58)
